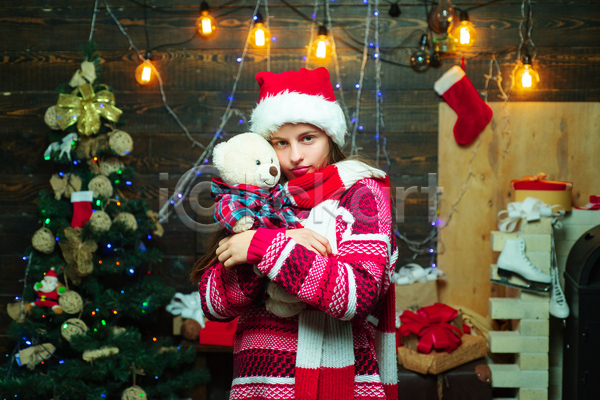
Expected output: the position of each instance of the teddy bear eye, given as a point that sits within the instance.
(271, 161)
(257, 162)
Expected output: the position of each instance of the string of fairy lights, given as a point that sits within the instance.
(442, 18)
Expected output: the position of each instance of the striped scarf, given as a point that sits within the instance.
(269, 208)
(325, 353)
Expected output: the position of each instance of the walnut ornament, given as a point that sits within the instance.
(133, 393)
(73, 327)
(120, 142)
(100, 221)
(127, 219)
(110, 165)
(51, 118)
(71, 302)
(101, 186)
(43, 240)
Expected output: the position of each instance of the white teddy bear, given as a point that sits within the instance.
(248, 196)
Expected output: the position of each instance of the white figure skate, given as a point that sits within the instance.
(558, 303)
(513, 260)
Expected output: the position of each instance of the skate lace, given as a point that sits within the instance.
(557, 292)
(532, 265)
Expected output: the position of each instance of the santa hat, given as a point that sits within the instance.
(298, 97)
(51, 274)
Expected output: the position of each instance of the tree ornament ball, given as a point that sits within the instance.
(71, 302)
(73, 327)
(100, 221)
(51, 118)
(110, 165)
(190, 329)
(133, 393)
(127, 219)
(101, 186)
(43, 240)
(120, 142)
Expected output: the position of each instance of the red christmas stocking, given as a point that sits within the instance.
(82, 207)
(460, 94)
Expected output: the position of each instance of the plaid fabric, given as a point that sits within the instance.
(269, 208)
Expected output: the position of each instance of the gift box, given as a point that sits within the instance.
(218, 333)
(550, 192)
(434, 339)
(471, 348)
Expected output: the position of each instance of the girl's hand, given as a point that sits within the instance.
(233, 250)
(311, 240)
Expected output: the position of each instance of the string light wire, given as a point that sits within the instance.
(353, 148)
(93, 21)
(160, 81)
(187, 181)
(341, 99)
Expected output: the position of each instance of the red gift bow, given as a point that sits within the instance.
(431, 325)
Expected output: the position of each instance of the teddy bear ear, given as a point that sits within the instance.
(219, 155)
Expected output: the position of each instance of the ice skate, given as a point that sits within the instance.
(558, 304)
(512, 261)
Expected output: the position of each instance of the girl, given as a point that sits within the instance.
(342, 344)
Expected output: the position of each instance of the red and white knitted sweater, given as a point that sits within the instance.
(352, 284)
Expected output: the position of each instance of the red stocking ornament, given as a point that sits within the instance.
(82, 207)
(461, 95)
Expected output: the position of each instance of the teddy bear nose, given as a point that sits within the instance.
(273, 171)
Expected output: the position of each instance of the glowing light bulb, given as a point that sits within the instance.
(465, 33)
(206, 24)
(144, 73)
(526, 77)
(442, 17)
(259, 36)
(321, 49)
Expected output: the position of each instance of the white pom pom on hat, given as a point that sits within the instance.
(304, 96)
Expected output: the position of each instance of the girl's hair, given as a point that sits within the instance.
(209, 258)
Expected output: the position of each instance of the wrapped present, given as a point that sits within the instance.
(218, 333)
(471, 348)
(436, 327)
(435, 339)
(550, 192)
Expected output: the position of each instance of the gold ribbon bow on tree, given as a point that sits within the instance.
(78, 255)
(86, 109)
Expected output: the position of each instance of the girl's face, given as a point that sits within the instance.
(301, 149)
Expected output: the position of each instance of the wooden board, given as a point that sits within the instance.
(555, 138)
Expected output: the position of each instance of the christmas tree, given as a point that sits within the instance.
(83, 328)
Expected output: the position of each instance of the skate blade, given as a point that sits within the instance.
(507, 278)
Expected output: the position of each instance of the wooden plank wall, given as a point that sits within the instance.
(40, 39)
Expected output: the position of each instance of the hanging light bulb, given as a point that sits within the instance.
(259, 35)
(395, 11)
(206, 23)
(465, 33)
(144, 73)
(526, 77)
(320, 48)
(419, 61)
(442, 17)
